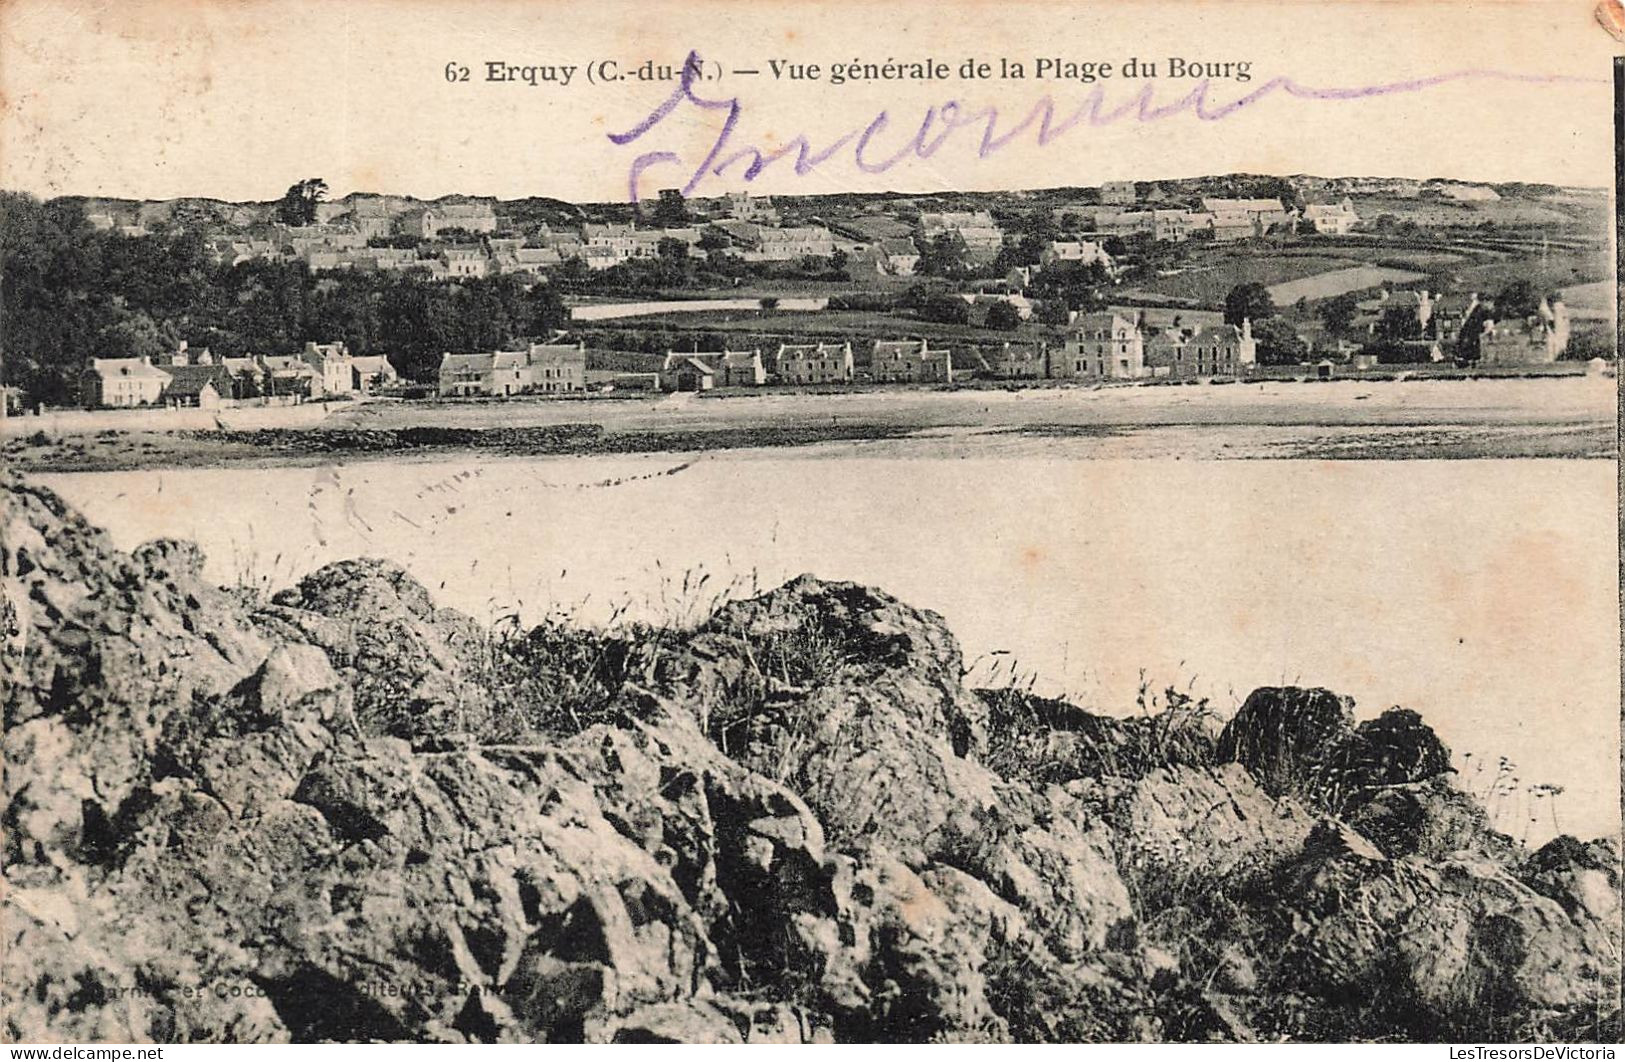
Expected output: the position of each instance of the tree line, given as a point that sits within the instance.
(71, 292)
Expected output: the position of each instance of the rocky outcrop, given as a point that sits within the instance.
(344, 813)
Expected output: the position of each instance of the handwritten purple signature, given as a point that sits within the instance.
(940, 123)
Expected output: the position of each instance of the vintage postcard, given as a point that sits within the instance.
(717, 522)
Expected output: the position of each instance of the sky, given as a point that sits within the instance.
(236, 99)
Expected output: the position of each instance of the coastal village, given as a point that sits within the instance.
(1124, 283)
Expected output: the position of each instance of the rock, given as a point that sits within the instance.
(351, 815)
(1286, 735)
(116, 647)
(1431, 818)
(1448, 946)
(1394, 749)
(1046, 741)
(169, 559)
(874, 730)
(1235, 973)
(415, 670)
(1303, 743)
(1181, 824)
(1584, 879)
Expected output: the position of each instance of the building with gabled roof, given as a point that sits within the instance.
(331, 361)
(557, 368)
(813, 363)
(1019, 361)
(1238, 219)
(202, 385)
(122, 383)
(499, 373)
(1103, 346)
(1539, 339)
(1333, 218)
(1219, 350)
(911, 361)
(371, 373)
(729, 368)
(685, 372)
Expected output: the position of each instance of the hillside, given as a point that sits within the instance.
(344, 813)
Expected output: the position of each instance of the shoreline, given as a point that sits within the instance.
(1568, 417)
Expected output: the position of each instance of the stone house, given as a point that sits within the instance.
(814, 363)
(1104, 346)
(121, 383)
(1334, 218)
(728, 368)
(686, 373)
(204, 386)
(1539, 339)
(372, 373)
(1074, 252)
(557, 368)
(466, 260)
(1219, 350)
(332, 362)
(1118, 193)
(1240, 219)
(499, 374)
(1019, 361)
(910, 361)
(1165, 350)
(290, 375)
(897, 256)
(1450, 314)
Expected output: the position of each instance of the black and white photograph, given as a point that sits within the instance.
(679, 522)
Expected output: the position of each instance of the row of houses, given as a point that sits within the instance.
(1098, 346)
(1224, 219)
(1111, 346)
(541, 368)
(342, 239)
(188, 378)
(1441, 320)
(889, 361)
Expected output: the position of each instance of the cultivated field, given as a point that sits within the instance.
(1336, 282)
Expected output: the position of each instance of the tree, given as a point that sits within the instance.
(1279, 343)
(298, 204)
(1471, 329)
(544, 311)
(1517, 300)
(670, 211)
(1248, 301)
(1004, 316)
(137, 336)
(943, 256)
(932, 301)
(1337, 313)
(1399, 323)
(714, 239)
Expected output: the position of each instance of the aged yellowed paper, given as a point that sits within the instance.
(719, 522)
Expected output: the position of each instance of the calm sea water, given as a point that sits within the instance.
(1480, 593)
